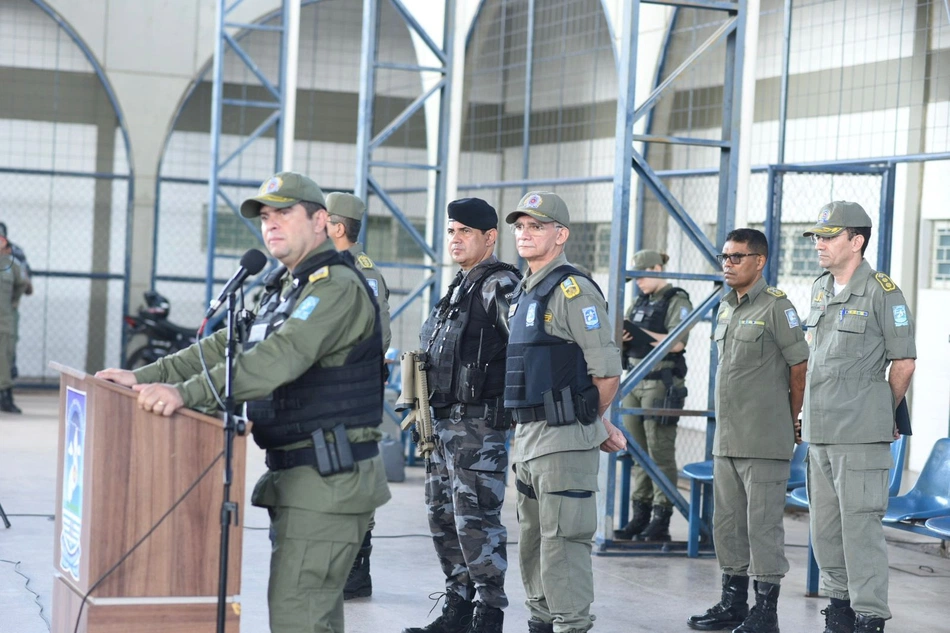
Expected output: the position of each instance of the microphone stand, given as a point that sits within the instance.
(229, 509)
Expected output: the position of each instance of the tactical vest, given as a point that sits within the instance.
(322, 397)
(651, 315)
(538, 362)
(453, 333)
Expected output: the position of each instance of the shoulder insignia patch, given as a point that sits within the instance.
(775, 292)
(885, 281)
(364, 261)
(320, 273)
(570, 288)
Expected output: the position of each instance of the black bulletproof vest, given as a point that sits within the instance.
(452, 334)
(538, 362)
(322, 397)
(652, 316)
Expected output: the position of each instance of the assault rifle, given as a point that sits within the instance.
(415, 398)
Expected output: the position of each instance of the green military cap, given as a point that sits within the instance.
(281, 191)
(643, 260)
(543, 205)
(837, 216)
(346, 205)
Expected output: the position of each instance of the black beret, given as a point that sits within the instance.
(474, 212)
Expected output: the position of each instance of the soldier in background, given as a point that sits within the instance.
(465, 339)
(13, 284)
(343, 227)
(20, 258)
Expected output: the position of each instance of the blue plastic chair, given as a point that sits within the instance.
(940, 525)
(930, 496)
(796, 477)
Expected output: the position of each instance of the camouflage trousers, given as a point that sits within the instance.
(464, 495)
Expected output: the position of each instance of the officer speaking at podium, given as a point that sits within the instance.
(311, 374)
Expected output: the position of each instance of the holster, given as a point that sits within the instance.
(675, 398)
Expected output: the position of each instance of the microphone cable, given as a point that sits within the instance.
(152, 529)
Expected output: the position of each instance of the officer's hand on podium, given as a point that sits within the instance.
(159, 398)
(122, 377)
(615, 439)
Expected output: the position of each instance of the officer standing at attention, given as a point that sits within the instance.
(563, 372)
(760, 383)
(311, 375)
(465, 339)
(659, 308)
(858, 325)
(20, 258)
(343, 226)
(13, 284)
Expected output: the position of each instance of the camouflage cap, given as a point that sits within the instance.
(642, 260)
(281, 191)
(545, 206)
(346, 205)
(837, 216)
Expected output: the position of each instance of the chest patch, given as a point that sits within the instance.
(792, 317)
(548, 316)
(532, 314)
(752, 322)
(570, 288)
(320, 273)
(374, 285)
(900, 316)
(591, 320)
(306, 308)
(511, 310)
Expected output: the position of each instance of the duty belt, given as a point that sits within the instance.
(653, 375)
(461, 410)
(282, 460)
(528, 414)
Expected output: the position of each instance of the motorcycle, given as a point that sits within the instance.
(162, 336)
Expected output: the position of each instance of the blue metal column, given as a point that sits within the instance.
(224, 40)
(366, 143)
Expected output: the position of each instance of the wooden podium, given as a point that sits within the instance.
(119, 470)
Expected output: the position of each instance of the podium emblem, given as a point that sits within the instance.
(71, 535)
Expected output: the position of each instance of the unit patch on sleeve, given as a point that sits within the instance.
(374, 285)
(775, 292)
(900, 316)
(320, 273)
(684, 312)
(885, 281)
(364, 261)
(306, 308)
(591, 320)
(792, 317)
(570, 288)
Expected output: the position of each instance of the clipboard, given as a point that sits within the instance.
(640, 338)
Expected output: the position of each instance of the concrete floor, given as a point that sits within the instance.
(634, 593)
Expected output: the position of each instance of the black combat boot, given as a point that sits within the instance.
(359, 584)
(487, 620)
(641, 517)
(732, 609)
(868, 624)
(658, 531)
(456, 617)
(6, 402)
(839, 619)
(537, 626)
(763, 618)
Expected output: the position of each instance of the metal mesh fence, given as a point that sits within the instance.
(64, 195)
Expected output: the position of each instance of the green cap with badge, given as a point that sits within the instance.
(837, 216)
(545, 206)
(281, 191)
(346, 205)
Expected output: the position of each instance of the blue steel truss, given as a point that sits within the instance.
(629, 160)
(367, 142)
(274, 105)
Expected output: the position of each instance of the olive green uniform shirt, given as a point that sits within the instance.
(12, 285)
(343, 316)
(759, 338)
(564, 318)
(852, 337)
(378, 283)
(677, 310)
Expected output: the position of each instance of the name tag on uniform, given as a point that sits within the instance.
(751, 322)
(511, 310)
(256, 335)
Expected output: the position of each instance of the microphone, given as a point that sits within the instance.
(252, 262)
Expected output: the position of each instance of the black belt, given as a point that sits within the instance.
(525, 489)
(282, 460)
(462, 410)
(653, 375)
(528, 414)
